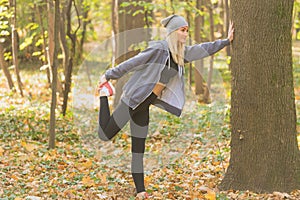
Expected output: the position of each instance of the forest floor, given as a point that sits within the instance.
(82, 167)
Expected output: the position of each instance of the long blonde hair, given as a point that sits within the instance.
(176, 48)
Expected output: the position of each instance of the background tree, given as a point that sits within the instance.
(131, 15)
(41, 14)
(15, 46)
(72, 34)
(84, 8)
(4, 67)
(264, 152)
(5, 40)
(54, 74)
(212, 38)
(226, 21)
(200, 88)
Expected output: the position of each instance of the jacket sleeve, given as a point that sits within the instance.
(135, 63)
(203, 50)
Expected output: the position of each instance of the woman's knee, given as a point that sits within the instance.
(102, 135)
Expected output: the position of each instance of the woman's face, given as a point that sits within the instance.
(183, 33)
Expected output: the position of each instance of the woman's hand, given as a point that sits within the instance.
(231, 32)
(102, 79)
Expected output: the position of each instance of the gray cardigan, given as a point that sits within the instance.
(147, 67)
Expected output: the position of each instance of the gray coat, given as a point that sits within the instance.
(147, 67)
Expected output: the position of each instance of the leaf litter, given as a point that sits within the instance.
(29, 170)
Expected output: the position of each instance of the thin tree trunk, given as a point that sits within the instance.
(45, 62)
(62, 37)
(65, 51)
(54, 75)
(115, 28)
(190, 75)
(200, 88)
(4, 67)
(221, 25)
(84, 23)
(69, 69)
(227, 16)
(50, 8)
(50, 49)
(212, 37)
(264, 153)
(15, 46)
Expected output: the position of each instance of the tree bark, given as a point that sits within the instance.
(226, 21)
(50, 8)
(15, 46)
(212, 38)
(115, 28)
(66, 52)
(190, 74)
(264, 151)
(4, 67)
(45, 62)
(54, 75)
(69, 68)
(63, 36)
(200, 88)
(222, 25)
(85, 10)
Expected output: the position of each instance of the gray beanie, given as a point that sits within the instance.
(173, 22)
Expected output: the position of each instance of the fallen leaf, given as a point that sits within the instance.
(87, 181)
(102, 177)
(29, 147)
(1, 151)
(211, 195)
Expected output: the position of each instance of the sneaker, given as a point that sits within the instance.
(106, 89)
(142, 195)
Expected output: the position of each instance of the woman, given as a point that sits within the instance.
(158, 80)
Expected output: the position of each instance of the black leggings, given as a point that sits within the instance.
(110, 125)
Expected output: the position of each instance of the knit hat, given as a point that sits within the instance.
(173, 22)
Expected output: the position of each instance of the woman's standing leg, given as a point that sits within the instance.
(139, 123)
(138, 148)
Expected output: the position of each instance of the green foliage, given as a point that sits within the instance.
(5, 15)
(144, 8)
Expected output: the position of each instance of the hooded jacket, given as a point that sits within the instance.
(147, 67)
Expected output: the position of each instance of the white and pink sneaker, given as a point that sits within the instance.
(142, 195)
(106, 89)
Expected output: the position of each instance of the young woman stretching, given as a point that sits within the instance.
(157, 79)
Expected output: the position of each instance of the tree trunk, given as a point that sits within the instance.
(200, 88)
(63, 36)
(226, 21)
(4, 67)
(65, 50)
(85, 10)
(15, 45)
(50, 8)
(45, 62)
(126, 39)
(264, 152)
(115, 28)
(54, 75)
(69, 68)
(190, 74)
(221, 25)
(212, 38)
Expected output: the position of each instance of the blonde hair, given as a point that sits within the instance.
(176, 48)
